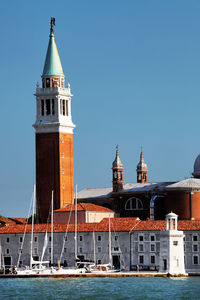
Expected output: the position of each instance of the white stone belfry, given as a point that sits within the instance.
(171, 247)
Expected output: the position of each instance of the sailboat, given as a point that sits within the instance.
(35, 266)
(104, 268)
(78, 269)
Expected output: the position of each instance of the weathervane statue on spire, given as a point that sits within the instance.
(53, 23)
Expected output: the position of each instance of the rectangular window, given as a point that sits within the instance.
(20, 239)
(35, 239)
(141, 238)
(7, 251)
(116, 248)
(63, 171)
(80, 238)
(175, 243)
(195, 238)
(195, 260)
(63, 186)
(152, 238)
(49, 250)
(152, 259)
(64, 110)
(49, 238)
(48, 110)
(61, 111)
(42, 107)
(63, 155)
(98, 261)
(195, 247)
(141, 259)
(52, 107)
(116, 237)
(99, 238)
(7, 240)
(80, 250)
(47, 82)
(141, 248)
(153, 247)
(67, 113)
(99, 249)
(65, 250)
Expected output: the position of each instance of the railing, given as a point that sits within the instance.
(53, 90)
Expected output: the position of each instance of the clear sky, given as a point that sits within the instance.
(134, 70)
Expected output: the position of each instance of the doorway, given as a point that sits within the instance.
(7, 261)
(165, 264)
(116, 261)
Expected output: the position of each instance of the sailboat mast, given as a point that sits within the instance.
(75, 234)
(31, 255)
(52, 228)
(110, 254)
(94, 248)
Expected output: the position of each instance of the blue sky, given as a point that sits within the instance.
(134, 70)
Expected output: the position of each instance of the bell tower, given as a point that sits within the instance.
(117, 168)
(142, 170)
(54, 135)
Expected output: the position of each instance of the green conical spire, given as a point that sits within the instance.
(52, 64)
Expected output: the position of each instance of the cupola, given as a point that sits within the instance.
(142, 170)
(117, 168)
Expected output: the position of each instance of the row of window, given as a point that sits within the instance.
(48, 107)
(141, 247)
(195, 259)
(195, 248)
(152, 259)
(35, 239)
(195, 238)
(141, 237)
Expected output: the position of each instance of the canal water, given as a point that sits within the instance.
(101, 288)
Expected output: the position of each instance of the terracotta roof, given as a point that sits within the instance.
(117, 224)
(161, 225)
(84, 207)
(9, 221)
(19, 220)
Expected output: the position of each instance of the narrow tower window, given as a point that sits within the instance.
(67, 110)
(47, 82)
(63, 107)
(48, 107)
(42, 107)
(52, 107)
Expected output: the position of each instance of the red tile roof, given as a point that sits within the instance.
(117, 224)
(8, 221)
(84, 207)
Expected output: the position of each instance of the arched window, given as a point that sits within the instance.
(133, 204)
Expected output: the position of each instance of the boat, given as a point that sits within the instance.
(103, 268)
(39, 267)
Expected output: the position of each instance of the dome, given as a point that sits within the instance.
(117, 164)
(171, 215)
(196, 172)
(142, 166)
